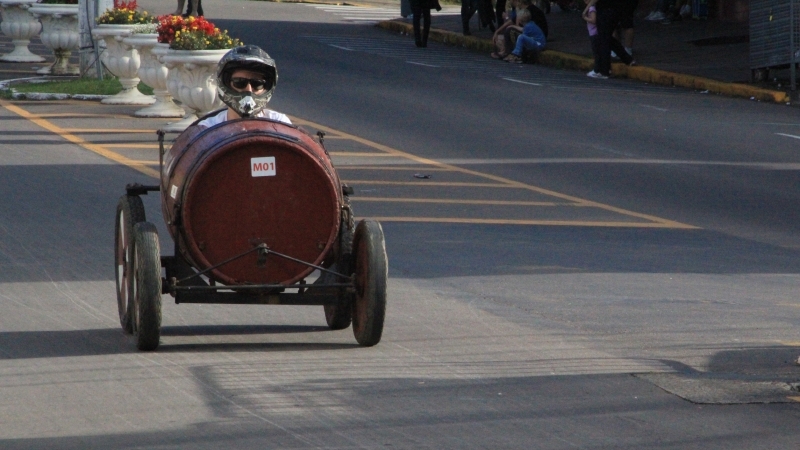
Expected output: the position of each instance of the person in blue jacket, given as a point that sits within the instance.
(531, 39)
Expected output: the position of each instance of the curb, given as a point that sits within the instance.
(563, 60)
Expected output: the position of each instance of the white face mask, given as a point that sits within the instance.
(246, 105)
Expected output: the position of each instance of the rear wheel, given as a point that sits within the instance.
(130, 211)
(339, 314)
(147, 275)
(371, 274)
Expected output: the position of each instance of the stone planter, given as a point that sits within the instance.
(192, 80)
(60, 33)
(154, 74)
(20, 25)
(122, 61)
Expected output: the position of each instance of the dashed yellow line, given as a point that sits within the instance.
(499, 182)
(131, 145)
(414, 169)
(105, 130)
(105, 116)
(458, 202)
(365, 154)
(95, 148)
(429, 183)
(559, 223)
(658, 221)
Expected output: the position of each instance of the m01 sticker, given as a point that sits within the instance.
(262, 167)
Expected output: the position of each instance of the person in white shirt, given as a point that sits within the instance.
(246, 79)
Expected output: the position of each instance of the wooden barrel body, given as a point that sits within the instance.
(229, 188)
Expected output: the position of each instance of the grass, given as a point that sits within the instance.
(85, 86)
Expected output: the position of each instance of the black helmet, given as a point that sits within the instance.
(252, 58)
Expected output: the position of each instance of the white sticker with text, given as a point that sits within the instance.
(173, 191)
(263, 167)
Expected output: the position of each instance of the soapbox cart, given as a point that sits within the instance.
(254, 207)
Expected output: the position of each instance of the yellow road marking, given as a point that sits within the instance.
(458, 202)
(429, 183)
(560, 223)
(98, 149)
(794, 399)
(371, 155)
(421, 169)
(790, 343)
(102, 130)
(131, 145)
(664, 223)
(53, 115)
(141, 166)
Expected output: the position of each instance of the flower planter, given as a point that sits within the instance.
(153, 74)
(123, 61)
(192, 80)
(20, 25)
(60, 33)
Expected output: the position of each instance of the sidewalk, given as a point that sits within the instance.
(706, 55)
(700, 54)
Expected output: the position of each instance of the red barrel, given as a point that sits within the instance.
(229, 188)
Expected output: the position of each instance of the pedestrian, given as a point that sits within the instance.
(501, 39)
(608, 14)
(590, 16)
(421, 9)
(193, 8)
(531, 39)
(486, 15)
(468, 8)
(625, 30)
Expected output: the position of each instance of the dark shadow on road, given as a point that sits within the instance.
(225, 330)
(233, 347)
(107, 341)
(67, 343)
(611, 411)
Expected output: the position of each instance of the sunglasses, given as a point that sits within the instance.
(241, 83)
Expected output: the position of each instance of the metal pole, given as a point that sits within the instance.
(792, 42)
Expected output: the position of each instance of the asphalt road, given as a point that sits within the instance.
(590, 265)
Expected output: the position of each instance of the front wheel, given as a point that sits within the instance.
(371, 275)
(339, 315)
(147, 275)
(130, 211)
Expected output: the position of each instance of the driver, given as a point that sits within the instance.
(246, 78)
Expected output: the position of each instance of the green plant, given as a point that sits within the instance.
(80, 86)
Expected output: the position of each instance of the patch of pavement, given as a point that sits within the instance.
(719, 389)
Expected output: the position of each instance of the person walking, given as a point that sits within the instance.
(608, 17)
(421, 9)
(468, 9)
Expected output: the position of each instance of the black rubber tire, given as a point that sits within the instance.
(339, 315)
(371, 275)
(147, 273)
(130, 211)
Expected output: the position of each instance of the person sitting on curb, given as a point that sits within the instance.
(499, 39)
(531, 40)
(246, 79)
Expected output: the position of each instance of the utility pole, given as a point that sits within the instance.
(89, 52)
